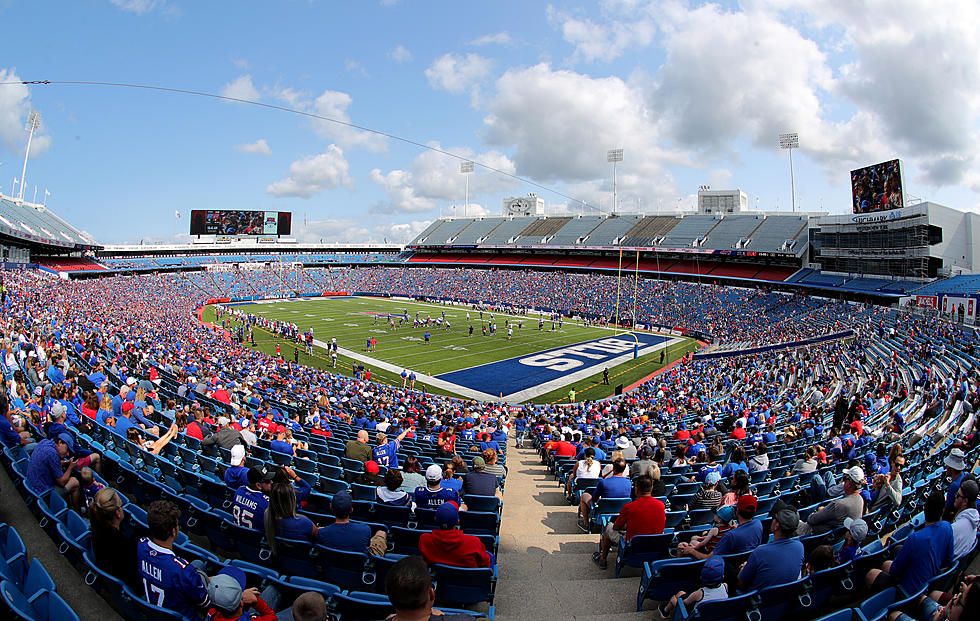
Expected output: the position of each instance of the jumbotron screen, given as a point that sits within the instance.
(236, 222)
(878, 187)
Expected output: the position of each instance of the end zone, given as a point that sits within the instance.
(525, 377)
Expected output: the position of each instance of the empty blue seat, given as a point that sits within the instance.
(42, 606)
(731, 609)
(465, 585)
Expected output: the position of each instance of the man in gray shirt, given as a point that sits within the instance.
(832, 515)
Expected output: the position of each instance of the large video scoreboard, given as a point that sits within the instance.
(239, 222)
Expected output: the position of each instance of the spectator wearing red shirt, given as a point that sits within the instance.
(739, 432)
(447, 545)
(644, 516)
(220, 394)
(565, 448)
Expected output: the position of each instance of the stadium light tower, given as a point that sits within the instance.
(466, 168)
(33, 120)
(790, 142)
(614, 156)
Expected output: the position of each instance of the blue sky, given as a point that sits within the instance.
(695, 93)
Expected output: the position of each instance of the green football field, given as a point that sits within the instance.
(352, 321)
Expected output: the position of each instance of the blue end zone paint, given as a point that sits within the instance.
(516, 374)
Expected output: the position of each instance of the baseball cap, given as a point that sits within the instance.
(222, 421)
(225, 589)
(713, 571)
(726, 513)
(58, 409)
(268, 475)
(126, 406)
(447, 515)
(479, 463)
(713, 478)
(855, 474)
(67, 439)
(788, 519)
(747, 504)
(38, 391)
(341, 503)
(130, 381)
(433, 473)
(858, 528)
(371, 467)
(237, 455)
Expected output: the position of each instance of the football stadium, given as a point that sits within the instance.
(515, 412)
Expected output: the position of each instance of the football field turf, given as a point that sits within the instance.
(538, 365)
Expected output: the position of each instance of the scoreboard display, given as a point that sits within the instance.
(239, 222)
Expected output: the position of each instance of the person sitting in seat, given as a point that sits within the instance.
(744, 537)
(346, 535)
(433, 494)
(777, 562)
(478, 482)
(391, 493)
(644, 516)
(409, 588)
(713, 588)
(447, 545)
(923, 555)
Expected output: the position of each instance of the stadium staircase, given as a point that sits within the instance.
(545, 560)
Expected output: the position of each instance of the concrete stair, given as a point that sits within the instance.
(545, 560)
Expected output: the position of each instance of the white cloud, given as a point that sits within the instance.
(314, 174)
(499, 38)
(456, 73)
(347, 230)
(15, 106)
(401, 191)
(241, 88)
(435, 177)
(334, 104)
(259, 147)
(400, 54)
(629, 25)
(560, 124)
(139, 6)
(354, 66)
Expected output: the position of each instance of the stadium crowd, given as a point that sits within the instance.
(852, 423)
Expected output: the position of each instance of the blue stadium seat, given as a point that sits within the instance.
(465, 585)
(642, 549)
(661, 580)
(731, 609)
(42, 606)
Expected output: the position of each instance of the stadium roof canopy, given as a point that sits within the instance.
(33, 224)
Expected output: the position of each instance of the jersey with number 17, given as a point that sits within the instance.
(249, 508)
(169, 581)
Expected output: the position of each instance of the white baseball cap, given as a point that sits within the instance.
(433, 473)
(237, 455)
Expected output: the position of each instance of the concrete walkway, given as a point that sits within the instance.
(546, 569)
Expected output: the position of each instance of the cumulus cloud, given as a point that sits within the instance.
(356, 231)
(629, 25)
(457, 73)
(15, 106)
(241, 88)
(400, 54)
(334, 104)
(499, 38)
(354, 66)
(259, 147)
(314, 174)
(435, 177)
(560, 124)
(403, 198)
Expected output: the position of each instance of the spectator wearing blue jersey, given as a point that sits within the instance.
(252, 500)
(433, 494)
(169, 581)
(617, 485)
(236, 475)
(385, 451)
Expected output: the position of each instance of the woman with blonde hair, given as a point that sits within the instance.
(659, 489)
(587, 468)
(490, 457)
(114, 553)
